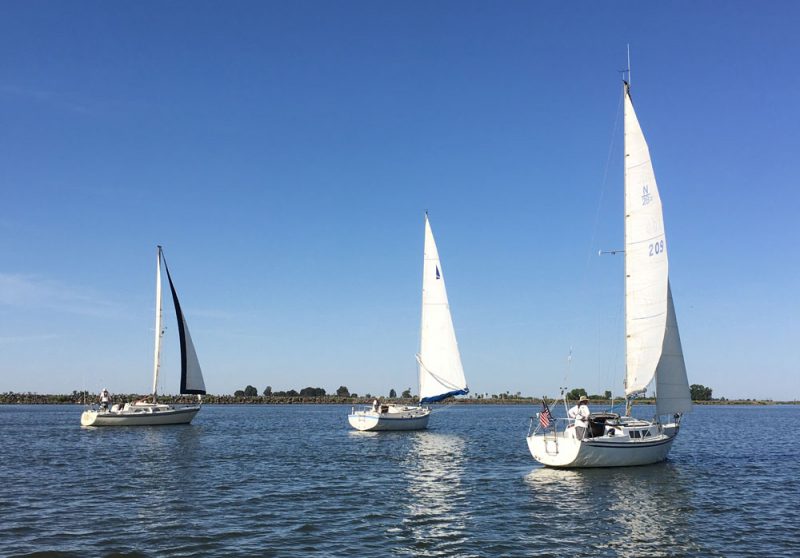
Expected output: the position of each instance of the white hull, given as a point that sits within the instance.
(395, 418)
(563, 449)
(140, 415)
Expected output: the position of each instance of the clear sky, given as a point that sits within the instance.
(284, 153)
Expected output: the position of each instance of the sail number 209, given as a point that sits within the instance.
(656, 248)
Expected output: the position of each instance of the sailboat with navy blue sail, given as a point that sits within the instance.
(148, 411)
(441, 374)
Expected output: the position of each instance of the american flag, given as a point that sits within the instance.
(545, 417)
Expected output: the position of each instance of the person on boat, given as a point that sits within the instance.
(580, 413)
(104, 398)
(375, 406)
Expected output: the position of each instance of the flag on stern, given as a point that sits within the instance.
(545, 417)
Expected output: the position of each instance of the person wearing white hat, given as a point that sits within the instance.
(580, 413)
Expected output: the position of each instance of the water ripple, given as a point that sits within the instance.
(295, 481)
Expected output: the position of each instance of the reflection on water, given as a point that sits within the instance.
(295, 481)
(436, 510)
(626, 512)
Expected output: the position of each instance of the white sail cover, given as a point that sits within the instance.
(440, 372)
(191, 374)
(653, 344)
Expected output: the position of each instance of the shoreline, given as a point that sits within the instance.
(11, 398)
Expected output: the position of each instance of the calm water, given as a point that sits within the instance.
(294, 481)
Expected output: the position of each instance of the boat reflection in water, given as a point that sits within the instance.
(436, 507)
(628, 512)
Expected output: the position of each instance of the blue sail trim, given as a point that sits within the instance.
(437, 398)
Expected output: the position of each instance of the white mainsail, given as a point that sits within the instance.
(653, 347)
(440, 372)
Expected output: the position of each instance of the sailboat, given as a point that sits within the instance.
(151, 412)
(652, 342)
(441, 374)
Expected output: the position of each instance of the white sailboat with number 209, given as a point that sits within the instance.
(653, 345)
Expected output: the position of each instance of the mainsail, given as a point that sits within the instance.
(440, 372)
(653, 346)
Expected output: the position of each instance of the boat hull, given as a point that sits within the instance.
(398, 418)
(567, 452)
(140, 417)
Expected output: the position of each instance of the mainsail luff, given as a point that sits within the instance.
(440, 370)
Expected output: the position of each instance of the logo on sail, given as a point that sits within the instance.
(438, 276)
(646, 196)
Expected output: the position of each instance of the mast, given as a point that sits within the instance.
(420, 370)
(159, 331)
(625, 93)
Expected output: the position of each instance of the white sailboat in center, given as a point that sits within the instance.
(441, 374)
(652, 342)
(151, 412)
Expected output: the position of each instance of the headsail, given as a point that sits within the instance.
(440, 372)
(672, 385)
(653, 344)
(191, 375)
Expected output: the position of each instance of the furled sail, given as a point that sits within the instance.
(440, 372)
(191, 375)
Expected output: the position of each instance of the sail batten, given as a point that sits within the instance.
(441, 374)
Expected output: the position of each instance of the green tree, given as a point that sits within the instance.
(700, 392)
(267, 391)
(250, 391)
(312, 392)
(607, 395)
(576, 394)
(343, 391)
(392, 393)
(238, 393)
(406, 394)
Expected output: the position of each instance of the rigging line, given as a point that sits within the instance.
(439, 379)
(591, 251)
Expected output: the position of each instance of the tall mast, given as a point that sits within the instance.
(159, 331)
(422, 308)
(625, 90)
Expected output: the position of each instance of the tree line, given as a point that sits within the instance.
(341, 392)
(249, 394)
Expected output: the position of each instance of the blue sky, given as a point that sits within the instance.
(284, 154)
